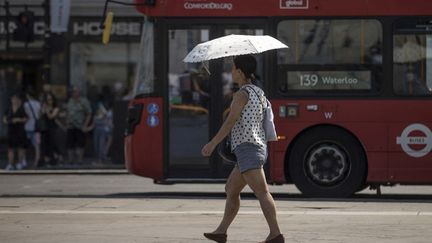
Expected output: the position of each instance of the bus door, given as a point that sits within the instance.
(197, 95)
(410, 139)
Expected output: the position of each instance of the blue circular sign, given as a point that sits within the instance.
(153, 121)
(152, 108)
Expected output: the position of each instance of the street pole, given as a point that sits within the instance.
(7, 26)
(46, 74)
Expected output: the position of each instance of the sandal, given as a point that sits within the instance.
(278, 239)
(219, 238)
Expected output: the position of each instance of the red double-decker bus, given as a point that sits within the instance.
(352, 95)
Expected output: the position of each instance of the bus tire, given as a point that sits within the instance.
(327, 162)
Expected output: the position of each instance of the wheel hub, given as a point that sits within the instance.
(326, 164)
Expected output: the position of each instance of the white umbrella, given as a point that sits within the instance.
(233, 45)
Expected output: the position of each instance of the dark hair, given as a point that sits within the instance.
(21, 96)
(49, 94)
(31, 92)
(17, 95)
(247, 64)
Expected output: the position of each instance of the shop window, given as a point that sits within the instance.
(97, 66)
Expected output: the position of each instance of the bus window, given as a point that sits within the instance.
(189, 100)
(412, 59)
(188, 82)
(330, 56)
(145, 74)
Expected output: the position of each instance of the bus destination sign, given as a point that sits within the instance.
(329, 80)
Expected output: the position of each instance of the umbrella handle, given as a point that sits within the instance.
(205, 65)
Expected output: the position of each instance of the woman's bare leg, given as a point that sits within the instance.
(11, 156)
(37, 154)
(21, 154)
(257, 182)
(233, 187)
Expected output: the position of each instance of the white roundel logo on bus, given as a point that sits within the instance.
(416, 140)
(153, 121)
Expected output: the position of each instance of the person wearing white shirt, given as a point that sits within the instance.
(32, 108)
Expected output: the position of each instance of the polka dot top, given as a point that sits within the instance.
(248, 127)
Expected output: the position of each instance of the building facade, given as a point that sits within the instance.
(76, 57)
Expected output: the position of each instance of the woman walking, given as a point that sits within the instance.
(250, 147)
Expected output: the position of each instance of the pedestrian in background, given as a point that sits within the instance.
(15, 118)
(78, 118)
(244, 121)
(32, 108)
(102, 132)
(49, 147)
(46, 89)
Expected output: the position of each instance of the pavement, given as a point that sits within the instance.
(125, 208)
(184, 220)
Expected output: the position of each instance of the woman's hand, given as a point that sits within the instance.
(208, 149)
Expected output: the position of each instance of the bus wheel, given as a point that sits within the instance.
(327, 162)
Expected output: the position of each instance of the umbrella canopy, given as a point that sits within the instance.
(233, 45)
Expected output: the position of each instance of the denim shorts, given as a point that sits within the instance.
(250, 156)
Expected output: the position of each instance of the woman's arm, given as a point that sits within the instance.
(53, 113)
(21, 117)
(89, 127)
(19, 120)
(240, 99)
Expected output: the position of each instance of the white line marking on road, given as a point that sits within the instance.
(332, 213)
